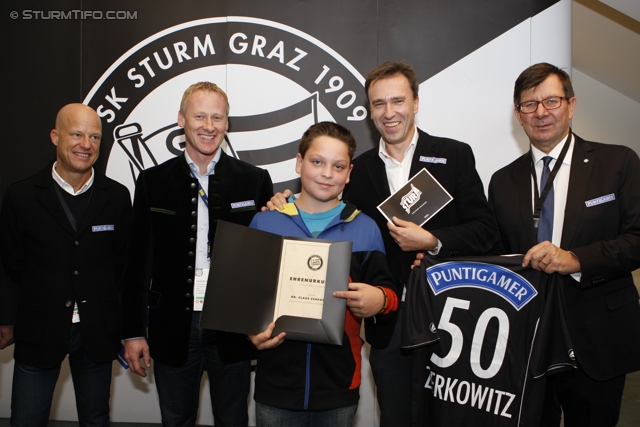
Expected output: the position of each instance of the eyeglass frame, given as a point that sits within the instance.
(542, 101)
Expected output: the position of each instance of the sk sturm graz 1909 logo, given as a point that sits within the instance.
(315, 262)
(279, 81)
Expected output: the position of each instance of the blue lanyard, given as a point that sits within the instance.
(201, 192)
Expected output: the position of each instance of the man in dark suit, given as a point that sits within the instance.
(176, 207)
(8, 291)
(589, 230)
(63, 239)
(7, 310)
(464, 227)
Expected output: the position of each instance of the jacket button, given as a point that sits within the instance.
(76, 243)
(76, 273)
(190, 253)
(189, 268)
(192, 240)
(192, 185)
(68, 304)
(189, 282)
(187, 309)
(194, 227)
(194, 200)
(194, 213)
(187, 295)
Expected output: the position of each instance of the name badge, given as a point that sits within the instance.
(600, 200)
(426, 159)
(246, 203)
(99, 228)
(76, 314)
(200, 288)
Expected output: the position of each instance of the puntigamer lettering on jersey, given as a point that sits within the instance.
(501, 281)
(499, 328)
(471, 394)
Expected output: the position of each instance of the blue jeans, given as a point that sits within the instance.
(268, 416)
(179, 387)
(391, 368)
(33, 389)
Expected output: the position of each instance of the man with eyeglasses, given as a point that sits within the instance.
(573, 207)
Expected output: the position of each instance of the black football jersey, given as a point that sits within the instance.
(484, 333)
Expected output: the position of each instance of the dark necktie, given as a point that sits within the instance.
(545, 227)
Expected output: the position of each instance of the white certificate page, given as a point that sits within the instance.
(301, 283)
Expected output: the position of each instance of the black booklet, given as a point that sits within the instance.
(258, 277)
(417, 201)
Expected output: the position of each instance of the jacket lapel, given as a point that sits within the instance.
(97, 202)
(425, 147)
(47, 197)
(378, 176)
(581, 167)
(524, 197)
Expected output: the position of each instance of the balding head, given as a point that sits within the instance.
(77, 139)
(75, 111)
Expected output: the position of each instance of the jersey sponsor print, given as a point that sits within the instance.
(484, 333)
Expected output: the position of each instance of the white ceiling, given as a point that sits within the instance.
(606, 43)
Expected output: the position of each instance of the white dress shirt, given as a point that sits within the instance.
(398, 171)
(202, 239)
(560, 186)
(66, 186)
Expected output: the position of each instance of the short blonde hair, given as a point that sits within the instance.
(205, 86)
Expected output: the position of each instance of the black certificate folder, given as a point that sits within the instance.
(258, 277)
(417, 201)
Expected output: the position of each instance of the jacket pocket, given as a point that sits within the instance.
(30, 323)
(111, 314)
(154, 299)
(162, 211)
(622, 297)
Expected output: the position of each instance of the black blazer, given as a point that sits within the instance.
(464, 227)
(603, 311)
(8, 291)
(161, 268)
(55, 266)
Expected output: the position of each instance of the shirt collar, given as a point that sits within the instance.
(555, 153)
(384, 155)
(66, 186)
(210, 168)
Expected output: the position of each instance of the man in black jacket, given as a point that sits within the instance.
(593, 236)
(463, 227)
(63, 240)
(176, 207)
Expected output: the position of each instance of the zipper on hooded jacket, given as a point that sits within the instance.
(307, 377)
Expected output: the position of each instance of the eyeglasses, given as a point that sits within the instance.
(548, 103)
